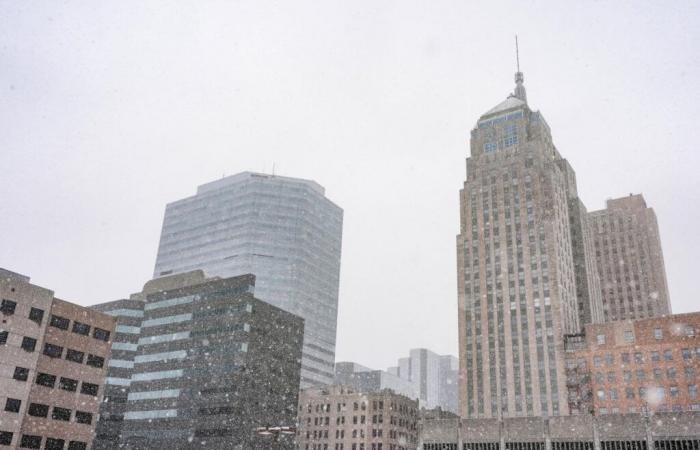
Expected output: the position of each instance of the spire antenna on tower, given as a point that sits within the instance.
(517, 53)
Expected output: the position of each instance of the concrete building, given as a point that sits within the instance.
(434, 378)
(516, 271)
(212, 363)
(339, 418)
(282, 230)
(629, 259)
(129, 314)
(634, 366)
(662, 431)
(364, 379)
(52, 368)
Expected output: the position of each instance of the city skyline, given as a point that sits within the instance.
(99, 144)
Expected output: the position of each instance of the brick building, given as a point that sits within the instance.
(53, 367)
(629, 366)
(339, 418)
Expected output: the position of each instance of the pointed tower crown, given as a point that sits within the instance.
(519, 78)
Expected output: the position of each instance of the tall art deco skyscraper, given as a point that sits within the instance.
(519, 257)
(283, 230)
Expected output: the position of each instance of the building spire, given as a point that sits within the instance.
(519, 87)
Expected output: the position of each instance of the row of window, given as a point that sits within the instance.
(48, 380)
(671, 373)
(32, 441)
(83, 329)
(686, 353)
(40, 410)
(658, 393)
(688, 330)
(8, 307)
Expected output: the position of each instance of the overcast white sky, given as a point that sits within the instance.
(109, 110)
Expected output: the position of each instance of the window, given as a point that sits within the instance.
(28, 344)
(29, 441)
(60, 414)
(658, 334)
(68, 384)
(668, 355)
(95, 361)
(38, 410)
(83, 417)
(13, 405)
(59, 322)
(89, 389)
(44, 379)
(21, 374)
(655, 356)
(638, 358)
(3, 337)
(54, 444)
(77, 445)
(657, 374)
(625, 358)
(5, 438)
(671, 373)
(597, 362)
(674, 391)
(629, 337)
(601, 394)
(686, 353)
(100, 334)
(75, 356)
(693, 391)
(81, 328)
(53, 351)
(7, 307)
(36, 315)
(600, 339)
(689, 331)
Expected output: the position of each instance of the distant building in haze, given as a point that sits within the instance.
(364, 379)
(435, 378)
(284, 231)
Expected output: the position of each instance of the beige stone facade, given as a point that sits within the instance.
(516, 272)
(629, 260)
(339, 418)
(636, 365)
(54, 360)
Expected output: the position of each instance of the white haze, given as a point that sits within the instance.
(108, 110)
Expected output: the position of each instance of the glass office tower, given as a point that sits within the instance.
(284, 231)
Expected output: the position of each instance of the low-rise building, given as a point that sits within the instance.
(53, 368)
(632, 366)
(340, 418)
(660, 431)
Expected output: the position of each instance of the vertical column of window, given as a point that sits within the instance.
(510, 291)
(499, 292)
(473, 264)
(480, 333)
(490, 307)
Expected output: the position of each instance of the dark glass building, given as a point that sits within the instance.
(212, 363)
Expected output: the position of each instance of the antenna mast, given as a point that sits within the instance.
(517, 53)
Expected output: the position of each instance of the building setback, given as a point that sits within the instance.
(212, 363)
(629, 260)
(339, 418)
(635, 366)
(283, 230)
(516, 270)
(434, 378)
(53, 367)
(129, 314)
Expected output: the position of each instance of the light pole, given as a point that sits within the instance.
(276, 432)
